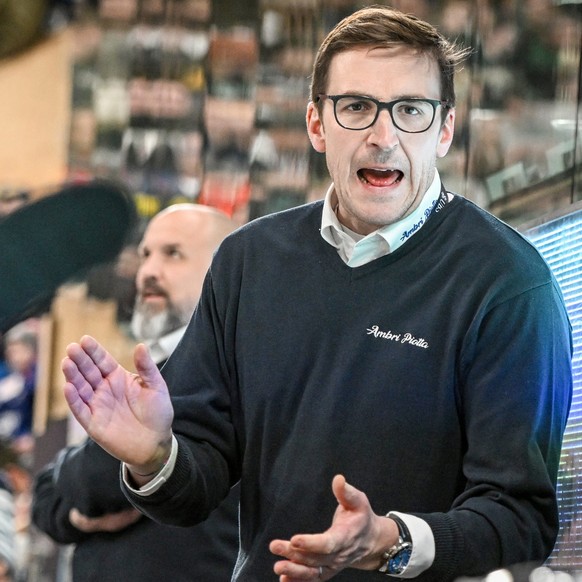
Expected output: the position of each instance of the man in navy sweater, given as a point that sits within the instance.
(393, 341)
(77, 498)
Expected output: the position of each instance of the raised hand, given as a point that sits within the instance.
(356, 539)
(129, 415)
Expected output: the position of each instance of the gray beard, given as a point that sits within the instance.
(152, 326)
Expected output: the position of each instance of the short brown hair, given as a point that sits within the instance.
(383, 26)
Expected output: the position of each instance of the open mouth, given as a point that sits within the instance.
(153, 300)
(380, 178)
(153, 293)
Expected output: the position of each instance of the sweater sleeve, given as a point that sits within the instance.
(515, 396)
(83, 477)
(206, 465)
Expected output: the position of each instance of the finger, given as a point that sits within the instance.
(292, 572)
(99, 355)
(306, 551)
(77, 379)
(117, 521)
(279, 547)
(78, 407)
(77, 392)
(311, 547)
(126, 518)
(110, 522)
(347, 495)
(330, 541)
(301, 552)
(86, 368)
(323, 543)
(84, 523)
(146, 367)
(80, 521)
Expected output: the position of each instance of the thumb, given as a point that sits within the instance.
(146, 367)
(347, 495)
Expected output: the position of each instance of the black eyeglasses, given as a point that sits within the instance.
(409, 115)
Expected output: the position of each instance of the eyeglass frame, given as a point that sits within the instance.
(388, 105)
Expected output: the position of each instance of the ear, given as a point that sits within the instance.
(315, 128)
(446, 134)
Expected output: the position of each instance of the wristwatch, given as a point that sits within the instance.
(396, 558)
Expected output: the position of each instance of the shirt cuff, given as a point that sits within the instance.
(164, 474)
(423, 546)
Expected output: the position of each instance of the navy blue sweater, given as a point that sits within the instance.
(437, 379)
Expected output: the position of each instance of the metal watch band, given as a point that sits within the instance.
(396, 558)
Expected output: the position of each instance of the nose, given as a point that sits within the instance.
(150, 268)
(383, 133)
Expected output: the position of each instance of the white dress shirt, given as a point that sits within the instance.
(161, 349)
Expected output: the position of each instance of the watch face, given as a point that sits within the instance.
(399, 561)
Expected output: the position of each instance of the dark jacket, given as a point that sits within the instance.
(87, 478)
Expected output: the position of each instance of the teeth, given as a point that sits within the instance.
(380, 177)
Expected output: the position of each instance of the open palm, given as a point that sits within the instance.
(129, 415)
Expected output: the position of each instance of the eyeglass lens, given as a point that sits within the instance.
(354, 112)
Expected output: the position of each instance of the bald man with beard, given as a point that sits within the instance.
(175, 254)
(78, 499)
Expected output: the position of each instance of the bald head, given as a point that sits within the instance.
(204, 224)
(175, 252)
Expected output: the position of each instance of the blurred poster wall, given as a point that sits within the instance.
(204, 100)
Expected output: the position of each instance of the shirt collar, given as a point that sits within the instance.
(356, 249)
(162, 348)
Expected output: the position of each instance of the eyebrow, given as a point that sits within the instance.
(396, 98)
(164, 248)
